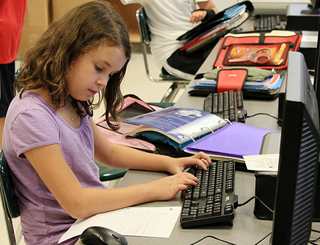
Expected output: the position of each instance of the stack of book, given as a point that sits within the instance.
(270, 86)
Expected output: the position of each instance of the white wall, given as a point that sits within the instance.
(222, 4)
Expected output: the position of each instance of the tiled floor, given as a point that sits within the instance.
(135, 82)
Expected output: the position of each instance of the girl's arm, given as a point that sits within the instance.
(198, 16)
(118, 156)
(79, 202)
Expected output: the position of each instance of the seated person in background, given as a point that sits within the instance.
(50, 140)
(169, 19)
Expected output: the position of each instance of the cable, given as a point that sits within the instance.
(315, 231)
(242, 204)
(314, 240)
(262, 239)
(209, 236)
(312, 243)
(263, 114)
(255, 197)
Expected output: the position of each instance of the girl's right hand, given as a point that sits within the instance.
(168, 187)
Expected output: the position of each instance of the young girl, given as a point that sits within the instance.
(50, 140)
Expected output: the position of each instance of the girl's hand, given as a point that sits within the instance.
(168, 187)
(179, 164)
(197, 16)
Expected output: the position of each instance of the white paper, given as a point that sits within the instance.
(265, 162)
(132, 221)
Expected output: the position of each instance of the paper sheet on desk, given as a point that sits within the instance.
(265, 162)
(132, 221)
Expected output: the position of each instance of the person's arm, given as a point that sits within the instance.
(79, 202)
(199, 15)
(118, 156)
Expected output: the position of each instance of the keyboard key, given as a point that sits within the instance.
(227, 105)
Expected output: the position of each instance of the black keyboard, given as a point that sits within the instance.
(268, 23)
(227, 105)
(212, 200)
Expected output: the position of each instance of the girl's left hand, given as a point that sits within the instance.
(197, 16)
(179, 164)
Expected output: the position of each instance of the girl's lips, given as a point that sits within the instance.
(92, 92)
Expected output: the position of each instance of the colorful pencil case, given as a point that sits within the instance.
(266, 50)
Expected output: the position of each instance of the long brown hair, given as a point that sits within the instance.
(83, 28)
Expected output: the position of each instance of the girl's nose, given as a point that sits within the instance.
(103, 81)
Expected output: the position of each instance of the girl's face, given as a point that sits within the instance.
(91, 71)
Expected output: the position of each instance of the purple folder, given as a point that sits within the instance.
(236, 139)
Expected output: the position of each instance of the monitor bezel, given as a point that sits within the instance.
(297, 113)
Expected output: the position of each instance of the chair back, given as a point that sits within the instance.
(7, 189)
(143, 26)
(145, 36)
(8, 198)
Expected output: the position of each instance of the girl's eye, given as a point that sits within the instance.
(98, 69)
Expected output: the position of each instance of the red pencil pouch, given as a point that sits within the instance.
(231, 79)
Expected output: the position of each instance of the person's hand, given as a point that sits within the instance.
(168, 187)
(197, 16)
(177, 165)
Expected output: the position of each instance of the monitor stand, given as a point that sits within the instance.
(266, 183)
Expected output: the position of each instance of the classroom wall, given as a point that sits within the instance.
(37, 20)
(40, 13)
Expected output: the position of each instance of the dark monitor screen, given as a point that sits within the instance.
(298, 158)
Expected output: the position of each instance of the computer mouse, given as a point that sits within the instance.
(97, 235)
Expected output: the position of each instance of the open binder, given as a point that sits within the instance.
(175, 126)
(210, 30)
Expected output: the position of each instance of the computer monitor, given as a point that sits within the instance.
(298, 158)
(314, 7)
(315, 4)
(274, 7)
(316, 81)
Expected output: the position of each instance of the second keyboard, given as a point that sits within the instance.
(227, 105)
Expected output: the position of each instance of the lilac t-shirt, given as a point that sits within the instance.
(30, 123)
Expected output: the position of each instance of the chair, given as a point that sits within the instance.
(177, 83)
(8, 198)
(112, 175)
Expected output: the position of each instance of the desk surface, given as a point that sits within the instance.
(246, 229)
